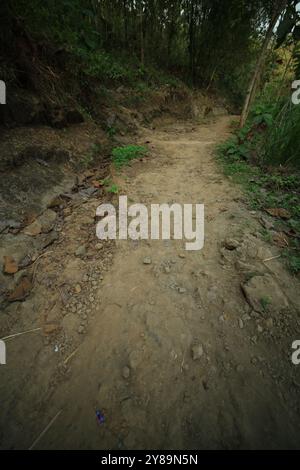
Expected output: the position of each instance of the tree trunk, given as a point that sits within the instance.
(125, 17)
(260, 64)
(142, 39)
(192, 41)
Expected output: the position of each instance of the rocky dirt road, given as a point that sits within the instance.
(179, 350)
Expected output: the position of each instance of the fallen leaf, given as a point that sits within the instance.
(292, 233)
(279, 212)
(33, 229)
(10, 265)
(51, 328)
(97, 184)
(21, 291)
(280, 240)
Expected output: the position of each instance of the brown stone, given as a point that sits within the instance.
(10, 265)
(21, 291)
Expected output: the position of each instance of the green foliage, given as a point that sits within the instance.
(262, 115)
(105, 182)
(235, 149)
(265, 302)
(283, 138)
(111, 131)
(100, 64)
(113, 189)
(293, 262)
(123, 155)
(125, 41)
(252, 157)
(271, 135)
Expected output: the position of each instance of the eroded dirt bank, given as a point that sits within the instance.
(181, 351)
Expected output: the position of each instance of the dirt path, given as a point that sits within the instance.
(171, 351)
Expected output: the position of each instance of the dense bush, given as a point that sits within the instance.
(282, 141)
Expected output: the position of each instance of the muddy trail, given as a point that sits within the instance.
(177, 349)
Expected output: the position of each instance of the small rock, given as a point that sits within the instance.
(81, 329)
(10, 265)
(88, 192)
(263, 293)
(266, 223)
(241, 324)
(231, 244)
(81, 251)
(248, 269)
(51, 328)
(78, 289)
(264, 253)
(56, 202)
(47, 220)
(181, 290)
(99, 246)
(147, 261)
(126, 372)
(21, 291)
(9, 224)
(269, 323)
(246, 317)
(197, 352)
(46, 239)
(33, 229)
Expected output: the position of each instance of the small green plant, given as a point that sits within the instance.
(265, 302)
(267, 236)
(113, 189)
(262, 115)
(293, 262)
(111, 131)
(106, 182)
(123, 155)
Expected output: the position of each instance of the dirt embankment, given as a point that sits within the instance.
(51, 139)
